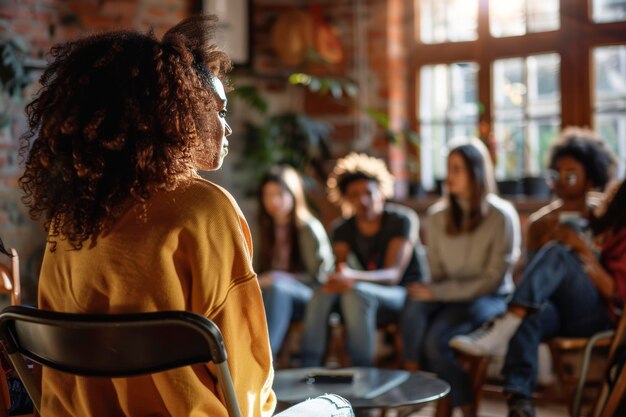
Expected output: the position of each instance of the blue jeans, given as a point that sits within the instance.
(427, 327)
(285, 301)
(360, 307)
(562, 301)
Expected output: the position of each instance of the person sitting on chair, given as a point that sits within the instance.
(294, 254)
(579, 164)
(473, 241)
(567, 290)
(377, 251)
(117, 133)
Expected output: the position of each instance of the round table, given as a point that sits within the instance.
(370, 387)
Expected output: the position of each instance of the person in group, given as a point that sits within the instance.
(117, 133)
(473, 241)
(377, 252)
(567, 290)
(580, 163)
(294, 255)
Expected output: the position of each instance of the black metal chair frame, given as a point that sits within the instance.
(113, 345)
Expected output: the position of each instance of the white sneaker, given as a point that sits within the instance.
(492, 339)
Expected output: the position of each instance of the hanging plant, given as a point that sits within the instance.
(14, 75)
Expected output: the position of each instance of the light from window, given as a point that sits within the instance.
(604, 11)
(518, 17)
(527, 113)
(610, 99)
(448, 20)
(448, 108)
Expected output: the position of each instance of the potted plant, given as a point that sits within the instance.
(14, 76)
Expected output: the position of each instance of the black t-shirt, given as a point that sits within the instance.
(370, 250)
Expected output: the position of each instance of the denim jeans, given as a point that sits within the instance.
(285, 301)
(360, 307)
(562, 301)
(427, 327)
(327, 405)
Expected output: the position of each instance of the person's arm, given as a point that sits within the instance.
(602, 280)
(596, 272)
(397, 258)
(503, 253)
(316, 253)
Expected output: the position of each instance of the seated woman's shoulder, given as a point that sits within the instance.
(437, 207)
(197, 195)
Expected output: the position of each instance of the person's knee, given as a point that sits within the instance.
(435, 348)
(358, 299)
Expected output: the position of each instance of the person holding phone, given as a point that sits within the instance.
(566, 291)
(580, 165)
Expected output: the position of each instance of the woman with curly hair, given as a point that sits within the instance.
(377, 252)
(294, 254)
(579, 164)
(121, 125)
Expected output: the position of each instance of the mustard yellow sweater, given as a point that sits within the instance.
(194, 253)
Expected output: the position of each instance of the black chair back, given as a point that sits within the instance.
(113, 345)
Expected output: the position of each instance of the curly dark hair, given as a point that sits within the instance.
(588, 149)
(119, 116)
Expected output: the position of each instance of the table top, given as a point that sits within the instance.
(370, 387)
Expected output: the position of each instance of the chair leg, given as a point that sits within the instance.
(27, 378)
(616, 396)
(478, 374)
(444, 408)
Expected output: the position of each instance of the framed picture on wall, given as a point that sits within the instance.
(234, 27)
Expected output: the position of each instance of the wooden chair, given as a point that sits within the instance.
(608, 400)
(9, 284)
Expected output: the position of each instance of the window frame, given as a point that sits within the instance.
(573, 41)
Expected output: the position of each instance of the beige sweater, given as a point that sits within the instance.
(470, 265)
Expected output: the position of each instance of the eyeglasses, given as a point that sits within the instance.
(553, 176)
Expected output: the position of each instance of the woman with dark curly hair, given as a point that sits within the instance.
(116, 134)
(579, 164)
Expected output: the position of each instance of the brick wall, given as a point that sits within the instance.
(372, 36)
(42, 23)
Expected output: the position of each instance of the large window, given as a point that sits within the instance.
(514, 72)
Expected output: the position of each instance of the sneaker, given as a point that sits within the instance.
(521, 407)
(492, 339)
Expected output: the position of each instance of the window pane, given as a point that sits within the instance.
(433, 153)
(507, 17)
(448, 20)
(541, 133)
(432, 21)
(610, 99)
(433, 92)
(462, 20)
(610, 74)
(464, 97)
(543, 15)
(509, 87)
(608, 10)
(509, 148)
(448, 108)
(612, 128)
(544, 93)
(527, 112)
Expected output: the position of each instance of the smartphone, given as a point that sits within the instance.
(574, 220)
(329, 377)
